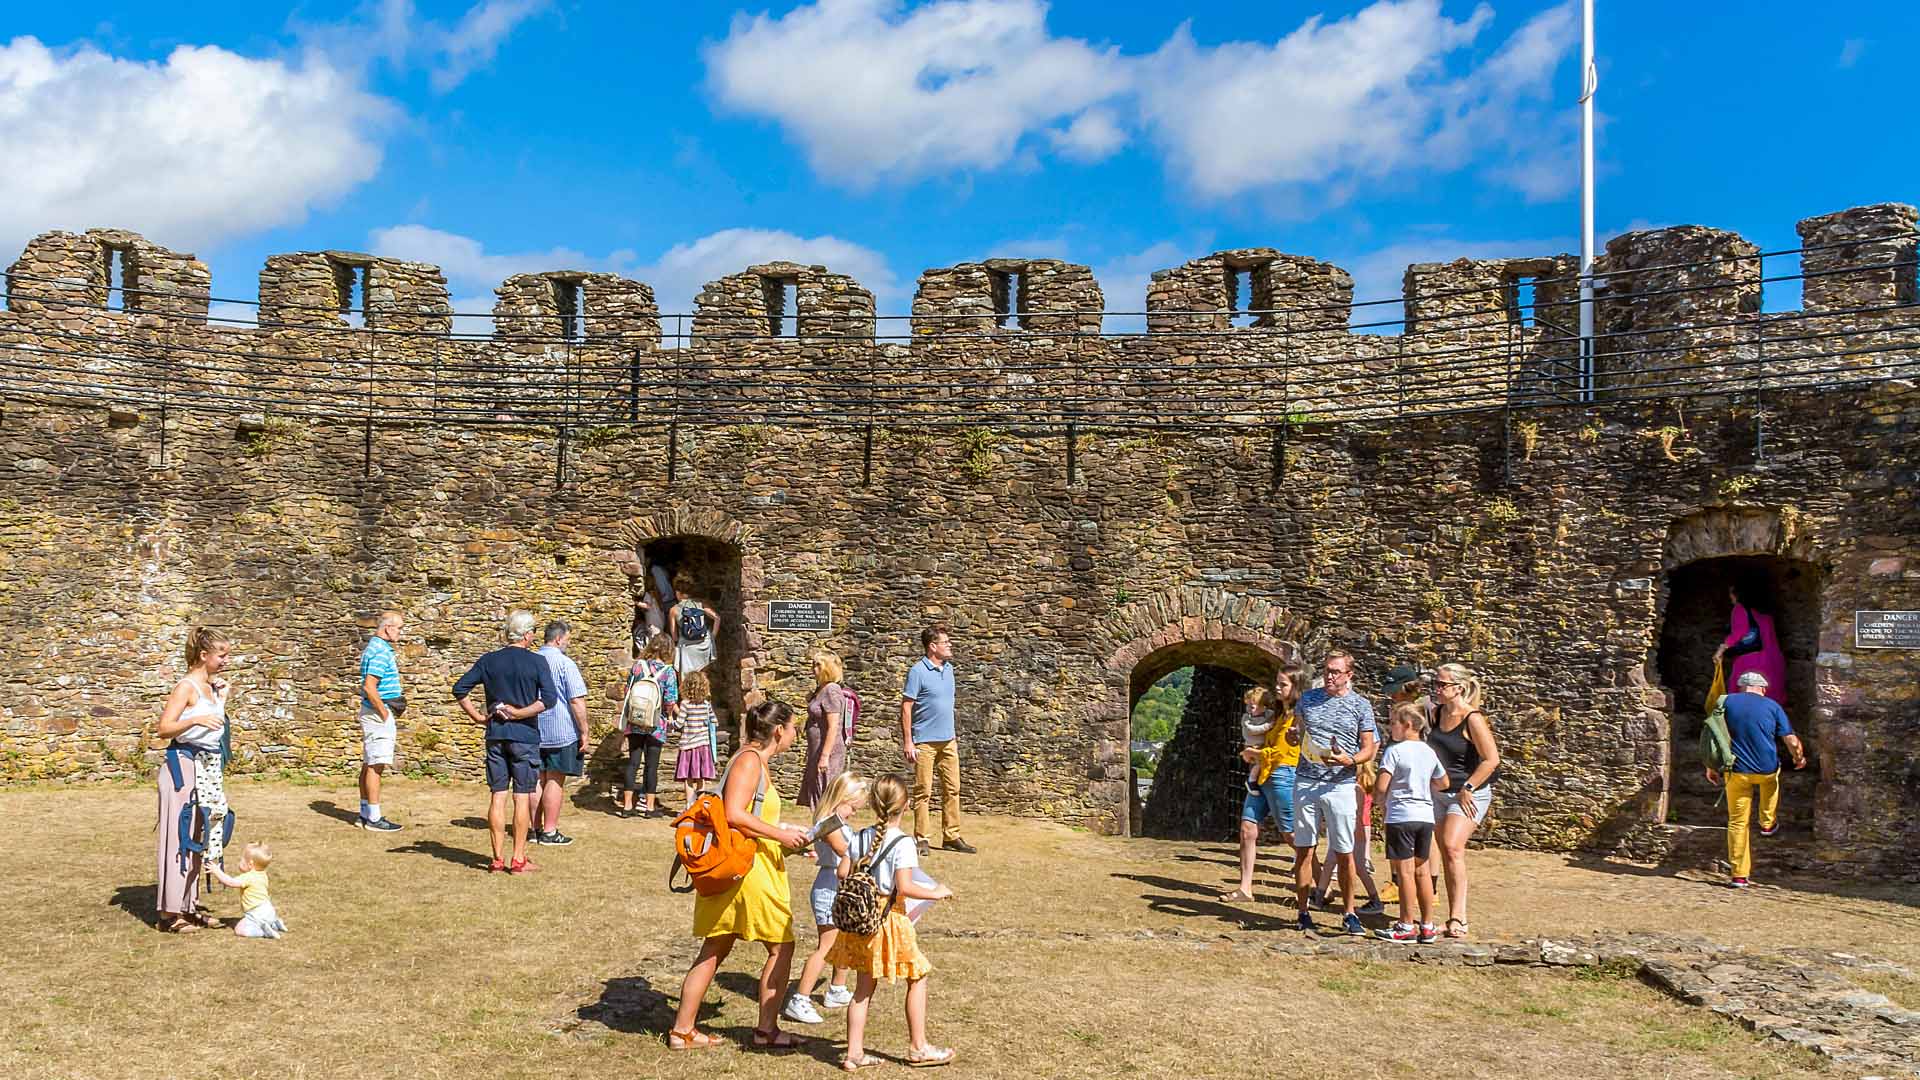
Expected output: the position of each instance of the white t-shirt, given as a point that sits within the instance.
(903, 856)
(1414, 768)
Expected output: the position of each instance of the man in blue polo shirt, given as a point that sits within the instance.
(520, 686)
(927, 738)
(1754, 723)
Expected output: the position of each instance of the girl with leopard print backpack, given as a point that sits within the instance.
(886, 854)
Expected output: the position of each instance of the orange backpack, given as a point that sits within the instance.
(714, 855)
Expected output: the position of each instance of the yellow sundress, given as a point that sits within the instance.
(891, 952)
(760, 908)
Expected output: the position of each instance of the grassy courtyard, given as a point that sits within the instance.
(406, 960)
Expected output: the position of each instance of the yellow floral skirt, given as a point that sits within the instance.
(890, 953)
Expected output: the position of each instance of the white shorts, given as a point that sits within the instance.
(1325, 807)
(1482, 802)
(377, 737)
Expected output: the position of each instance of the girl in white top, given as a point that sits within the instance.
(1410, 773)
(842, 799)
(893, 951)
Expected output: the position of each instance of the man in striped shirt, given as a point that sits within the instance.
(380, 701)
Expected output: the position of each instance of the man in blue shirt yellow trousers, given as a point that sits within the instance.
(1754, 722)
(927, 739)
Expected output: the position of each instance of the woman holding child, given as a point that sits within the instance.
(760, 907)
(1462, 739)
(1271, 766)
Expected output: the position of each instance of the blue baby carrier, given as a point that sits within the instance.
(193, 817)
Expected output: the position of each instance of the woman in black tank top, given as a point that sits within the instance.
(1463, 741)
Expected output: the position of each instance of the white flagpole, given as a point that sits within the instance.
(1589, 82)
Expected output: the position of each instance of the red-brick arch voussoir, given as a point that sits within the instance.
(1143, 641)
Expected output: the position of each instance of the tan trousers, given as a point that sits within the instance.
(944, 756)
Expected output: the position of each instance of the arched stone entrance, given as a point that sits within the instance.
(1205, 628)
(724, 562)
(1706, 552)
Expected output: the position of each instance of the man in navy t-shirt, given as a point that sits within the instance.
(1755, 724)
(520, 686)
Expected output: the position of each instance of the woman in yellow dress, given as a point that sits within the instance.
(760, 908)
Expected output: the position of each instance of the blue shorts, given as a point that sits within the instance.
(1275, 799)
(564, 760)
(515, 761)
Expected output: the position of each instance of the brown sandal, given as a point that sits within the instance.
(776, 1039)
(691, 1039)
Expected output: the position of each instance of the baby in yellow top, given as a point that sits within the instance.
(258, 919)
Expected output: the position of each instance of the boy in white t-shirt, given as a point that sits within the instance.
(1410, 773)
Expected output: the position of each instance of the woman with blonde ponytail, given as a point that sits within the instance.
(1462, 739)
(193, 721)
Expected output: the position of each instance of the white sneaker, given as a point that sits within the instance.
(838, 997)
(800, 1010)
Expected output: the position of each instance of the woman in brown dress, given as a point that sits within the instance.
(826, 720)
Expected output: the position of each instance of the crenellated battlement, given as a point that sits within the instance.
(1230, 337)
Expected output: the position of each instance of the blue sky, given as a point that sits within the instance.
(678, 143)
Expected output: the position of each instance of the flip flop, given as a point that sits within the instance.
(1461, 932)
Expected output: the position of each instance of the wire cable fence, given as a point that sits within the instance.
(1667, 331)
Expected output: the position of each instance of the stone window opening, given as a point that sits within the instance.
(783, 305)
(1519, 297)
(1695, 617)
(350, 291)
(1009, 292)
(570, 299)
(1240, 301)
(123, 274)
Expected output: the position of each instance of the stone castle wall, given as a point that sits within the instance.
(1533, 546)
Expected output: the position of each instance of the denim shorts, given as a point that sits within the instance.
(515, 761)
(1274, 799)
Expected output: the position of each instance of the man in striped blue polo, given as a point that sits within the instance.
(380, 703)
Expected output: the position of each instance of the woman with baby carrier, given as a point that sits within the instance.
(193, 722)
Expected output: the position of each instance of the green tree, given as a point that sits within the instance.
(1160, 708)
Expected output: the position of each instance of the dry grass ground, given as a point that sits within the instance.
(406, 960)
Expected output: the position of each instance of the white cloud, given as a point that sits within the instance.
(203, 146)
(676, 276)
(475, 39)
(1850, 52)
(876, 90)
(872, 92)
(392, 31)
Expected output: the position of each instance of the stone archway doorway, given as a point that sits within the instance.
(1705, 554)
(1231, 642)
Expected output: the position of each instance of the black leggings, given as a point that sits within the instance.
(639, 746)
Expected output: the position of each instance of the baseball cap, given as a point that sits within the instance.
(1398, 678)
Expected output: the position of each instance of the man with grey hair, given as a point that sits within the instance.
(380, 702)
(1754, 723)
(563, 736)
(519, 687)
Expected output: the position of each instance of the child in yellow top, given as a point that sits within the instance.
(894, 950)
(258, 919)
